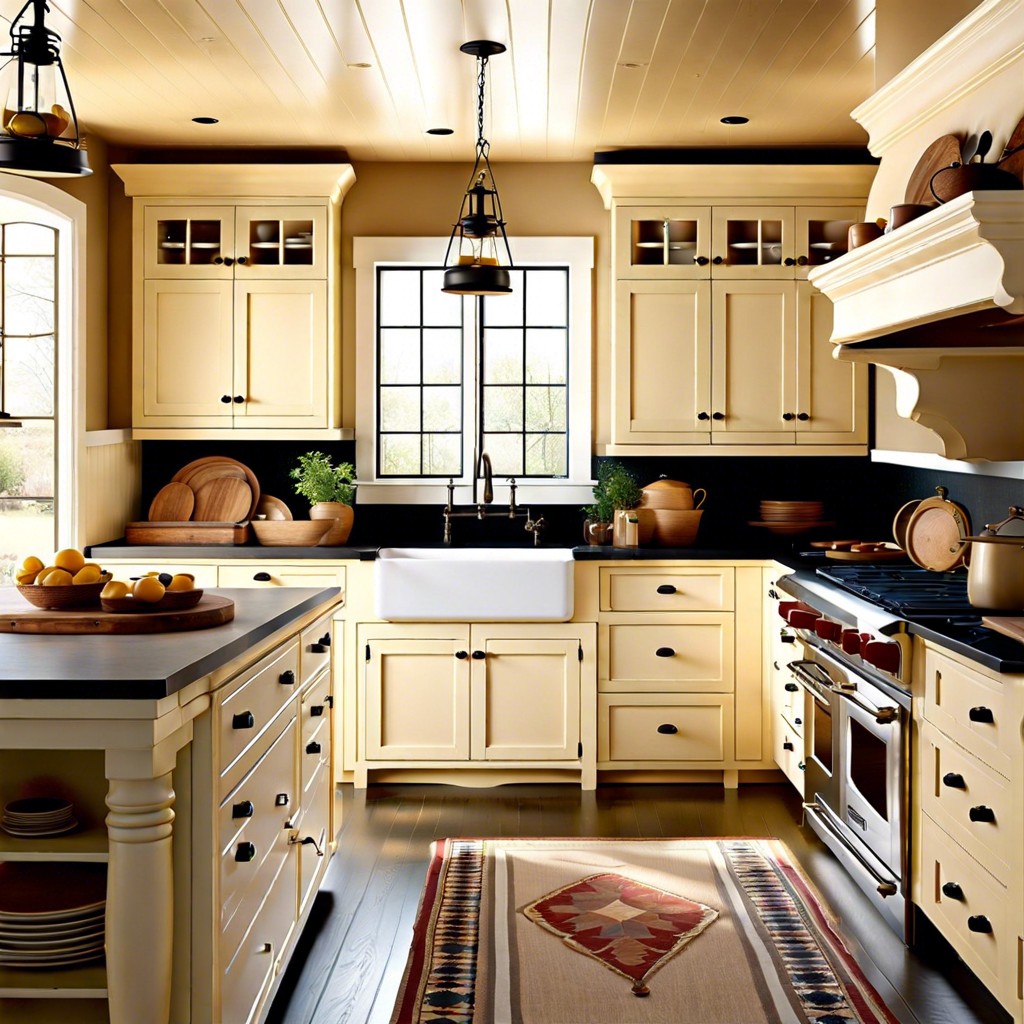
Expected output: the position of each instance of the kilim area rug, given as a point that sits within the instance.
(611, 931)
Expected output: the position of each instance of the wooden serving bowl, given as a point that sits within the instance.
(676, 528)
(296, 533)
(63, 598)
(172, 601)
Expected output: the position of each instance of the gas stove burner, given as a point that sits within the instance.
(907, 590)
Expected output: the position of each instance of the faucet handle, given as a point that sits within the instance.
(512, 497)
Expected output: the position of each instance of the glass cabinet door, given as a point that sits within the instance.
(821, 234)
(183, 241)
(281, 241)
(662, 242)
(752, 241)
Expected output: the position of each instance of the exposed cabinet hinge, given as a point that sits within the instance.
(579, 749)
(367, 652)
(579, 652)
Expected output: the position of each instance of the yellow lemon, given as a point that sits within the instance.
(181, 581)
(148, 589)
(43, 573)
(70, 559)
(115, 588)
(88, 574)
(32, 564)
(26, 124)
(26, 576)
(56, 578)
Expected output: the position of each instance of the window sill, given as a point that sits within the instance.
(536, 492)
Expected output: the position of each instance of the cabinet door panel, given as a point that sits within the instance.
(821, 234)
(186, 357)
(184, 241)
(662, 242)
(661, 362)
(525, 699)
(752, 241)
(280, 242)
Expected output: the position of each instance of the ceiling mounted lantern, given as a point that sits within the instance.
(478, 269)
(39, 135)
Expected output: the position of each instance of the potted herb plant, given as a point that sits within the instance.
(330, 491)
(616, 490)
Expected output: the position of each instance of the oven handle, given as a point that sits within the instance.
(802, 670)
(883, 716)
(886, 887)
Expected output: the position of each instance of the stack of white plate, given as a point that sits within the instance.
(37, 817)
(791, 517)
(51, 915)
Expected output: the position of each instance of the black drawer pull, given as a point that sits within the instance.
(802, 766)
(668, 729)
(316, 710)
(261, 577)
(317, 649)
(787, 745)
(479, 655)
(245, 852)
(243, 720)
(313, 748)
(791, 687)
(462, 655)
(981, 813)
(281, 800)
(981, 715)
(798, 721)
(666, 588)
(287, 677)
(243, 810)
(952, 890)
(954, 780)
(325, 640)
(979, 923)
(665, 652)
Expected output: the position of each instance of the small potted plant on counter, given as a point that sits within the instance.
(331, 492)
(615, 492)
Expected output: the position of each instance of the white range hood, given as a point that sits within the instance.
(939, 302)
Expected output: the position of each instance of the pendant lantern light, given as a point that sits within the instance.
(478, 269)
(39, 133)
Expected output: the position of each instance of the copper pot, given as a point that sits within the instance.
(949, 182)
(672, 494)
(995, 578)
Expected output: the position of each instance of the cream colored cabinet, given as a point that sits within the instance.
(968, 838)
(474, 695)
(235, 299)
(787, 697)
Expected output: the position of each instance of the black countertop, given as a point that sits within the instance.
(148, 665)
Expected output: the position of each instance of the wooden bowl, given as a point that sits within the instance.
(676, 528)
(172, 601)
(295, 533)
(55, 599)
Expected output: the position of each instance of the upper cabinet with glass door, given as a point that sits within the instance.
(662, 242)
(235, 242)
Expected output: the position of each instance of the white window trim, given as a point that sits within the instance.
(578, 254)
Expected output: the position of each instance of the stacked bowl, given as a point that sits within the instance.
(790, 517)
(675, 511)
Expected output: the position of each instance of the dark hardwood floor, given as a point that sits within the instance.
(352, 953)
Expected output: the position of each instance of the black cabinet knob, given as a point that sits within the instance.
(979, 923)
(313, 748)
(802, 261)
(243, 259)
(803, 417)
(218, 260)
(791, 687)
(287, 677)
(787, 416)
(718, 415)
(245, 852)
(703, 416)
(798, 721)
(668, 729)
(317, 649)
(325, 639)
(226, 399)
(954, 780)
(665, 652)
(787, 745)
(228, 261)
(788, 261)
(243, 810)
(461, 655)
(701, 261)
(316, 710)
(243, 720)
(666, 588)
(981, 715)
(479, 655)
(718, 261)
(261, 577)
(802, 766)
(238, 399)
(281, 800)
(952, 891)
(981, 813)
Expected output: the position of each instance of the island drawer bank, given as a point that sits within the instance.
(199, 766)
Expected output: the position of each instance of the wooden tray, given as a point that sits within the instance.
(890, 554)
(1008, 625)
(186, 533)
(16, 616)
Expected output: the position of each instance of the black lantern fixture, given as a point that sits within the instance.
(40, 135)
(478, 269)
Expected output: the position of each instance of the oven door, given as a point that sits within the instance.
(821, 736)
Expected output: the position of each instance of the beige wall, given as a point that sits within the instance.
(906, 28)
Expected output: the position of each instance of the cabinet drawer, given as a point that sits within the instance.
(244, 713)
(315, 821)
(315, 648)
(274, 574)
(691, 656)
(666, 590)
(650, 727)
(788, 698)
(991, 955)
(960, 793)
(315, 708)
(315, 754)
(788, 752)
(960, 701)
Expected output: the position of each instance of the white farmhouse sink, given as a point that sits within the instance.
(474, 584)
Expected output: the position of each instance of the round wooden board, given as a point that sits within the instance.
(944, 151)
(935, 535)
(184, 475)
(16, 616)
(888, 555)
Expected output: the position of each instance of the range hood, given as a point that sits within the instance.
(939, 302)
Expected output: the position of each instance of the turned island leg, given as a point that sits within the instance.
(140, 911)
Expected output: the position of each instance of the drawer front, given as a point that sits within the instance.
(666, 590)
(694, 656)
(992, 955)
(649, 727)
(316, 816)
(961, 701)
(788, 699)
(274, 574)
(205, 575)
(315, 648)
(788, 751)
(249, 973)
(962, 794)
(252, 858)
(244, 713)
(315, 709)
(315, 754)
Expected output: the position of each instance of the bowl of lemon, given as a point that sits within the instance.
(67, 582)
(154, 592)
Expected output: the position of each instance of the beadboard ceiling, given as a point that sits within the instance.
(370, 76)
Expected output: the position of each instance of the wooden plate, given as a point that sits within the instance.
(273, 508)
(944, 151)
(788, 529)
(225, 499)
(184, 475)
(1014, 149)
(832, 543)
(173, 502)
(891, 553)
(902, 521)
(172, 601)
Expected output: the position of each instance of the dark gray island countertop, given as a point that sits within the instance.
(148, 666)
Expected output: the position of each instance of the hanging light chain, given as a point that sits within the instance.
(482, 145)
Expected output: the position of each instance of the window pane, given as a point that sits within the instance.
(547, 297)
(506, 453)
(399, 356)
(506, 310)
(399, 454)
(503, 357)
(28, 295)
(28, 367)
(545, 409)
(29, 239)
(503, 408)
(442, 454)
(442, 408)
(399, 298)
(442, 357)
(546, 356)
(399, 409)
(546, 455)
(439, 308)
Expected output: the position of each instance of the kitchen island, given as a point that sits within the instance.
(211, 752)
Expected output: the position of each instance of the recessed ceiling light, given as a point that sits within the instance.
(358, 65)
(735, 119)
(440, 131)
(206, 120)
(631, 64)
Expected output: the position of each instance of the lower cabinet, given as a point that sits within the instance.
(787, 698)
(475, 695)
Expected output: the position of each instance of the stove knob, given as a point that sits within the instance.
(883, 654)
(849, 639)
(827, 629)
(785, 607)
(802, 618)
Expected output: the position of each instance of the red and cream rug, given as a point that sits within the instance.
(611, 931)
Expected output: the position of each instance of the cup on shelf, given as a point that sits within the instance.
(862, 233)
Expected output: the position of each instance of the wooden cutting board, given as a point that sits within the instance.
(1010, 625)
(173, 503)
(941, 153)
(225, 499)
(18, 616)
(1014, 161)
